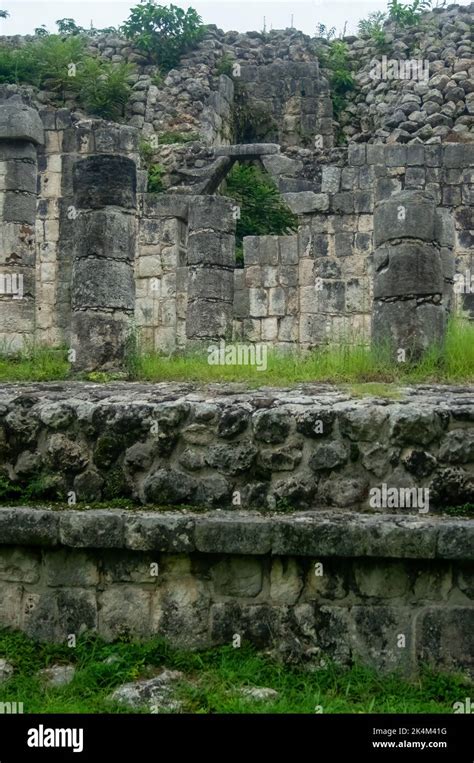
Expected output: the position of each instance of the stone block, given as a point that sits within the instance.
(407, 268)
(102, 283)
(104, 180)
(410, 214)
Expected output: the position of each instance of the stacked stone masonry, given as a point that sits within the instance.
(227, 447)
(308, 587)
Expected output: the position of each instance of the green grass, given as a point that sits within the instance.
(351, 364)
(38, 364)
(213, 680)
(355, 365)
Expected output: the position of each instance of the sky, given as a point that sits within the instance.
(240, 15)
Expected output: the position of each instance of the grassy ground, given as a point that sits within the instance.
(351, 364)
(213, 680)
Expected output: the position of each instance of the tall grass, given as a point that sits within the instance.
(344, 363)
(337, 364)
(34, 364)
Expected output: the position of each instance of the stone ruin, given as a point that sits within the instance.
(385, 230)
(101, 258)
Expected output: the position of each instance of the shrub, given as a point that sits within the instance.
(407, 15)
(324, 33)
(341, 80)
(103, 87)
(225, 65)
(146, 152)
(61, 65)
(262, 210)
(371, 28)
(155, 178)
(163, 33)
(43, 63)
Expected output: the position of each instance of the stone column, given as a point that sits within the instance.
(103, 287)
(413, 271)
(21, 130)
(211, 262)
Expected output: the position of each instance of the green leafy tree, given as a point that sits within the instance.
(41, 31)
(68, 26)
(262, 210)
(163, 33)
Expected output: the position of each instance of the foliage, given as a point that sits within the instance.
(225, 65)
(408, 14)
(44, 62)
(262, 210)
(252, 124)
(61, 64)
(4, 14)
(41, 31)
(103, 87)
(324, 33)
(157, 79)
(69, 27)
(155, 178)
(163, 33)
(371, 28)
(146, 152)
(170, 137)
(341, 79)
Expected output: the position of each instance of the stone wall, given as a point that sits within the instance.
(172, 444)
(391, 593)
(297, 291)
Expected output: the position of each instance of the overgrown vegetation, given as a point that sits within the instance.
(262, 210)
(372, 28)
(213, 680)
(225, 65)
(155, 178)
(408, 14)
(252, 123)
(62, 66)
(172, 136)
(104, 88)
(402, 14)
(341, 79)
(163, 33)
